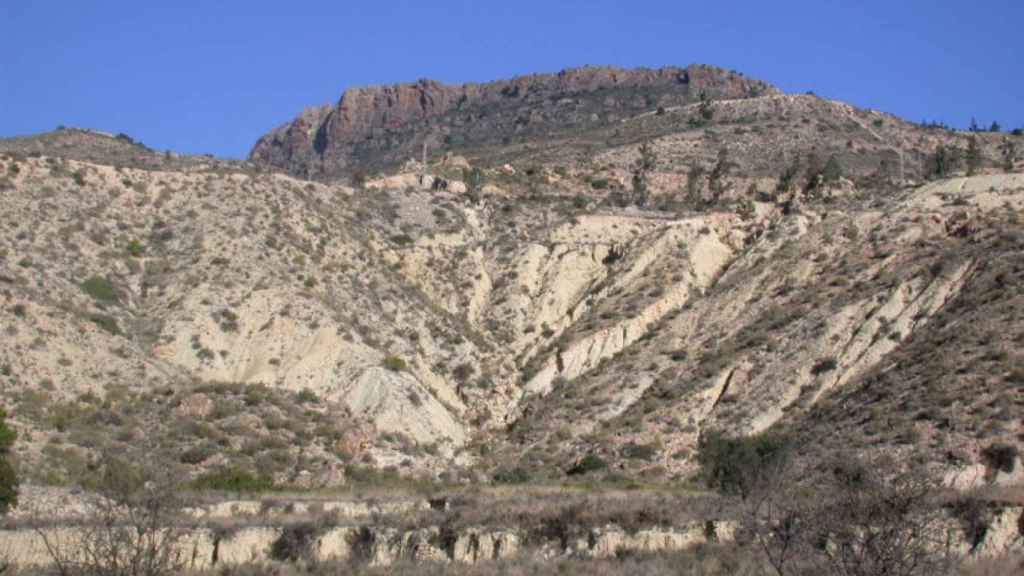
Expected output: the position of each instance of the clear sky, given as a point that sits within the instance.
(212, 76)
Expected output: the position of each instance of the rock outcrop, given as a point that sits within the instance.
(385, 125)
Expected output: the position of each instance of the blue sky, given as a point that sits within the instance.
(211, 77)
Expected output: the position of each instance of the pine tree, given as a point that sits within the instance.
(474, 179)
(695, 185)
(883, 175)
(974, 156)
(1009, 151)
(716, 180)
(641, 169)
(940, 161)
(812, 172)
(788, 176)
(833, 171)
(707, 112)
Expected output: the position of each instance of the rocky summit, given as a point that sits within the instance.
(382, 126)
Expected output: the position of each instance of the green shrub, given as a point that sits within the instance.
(973, 515)
(640, 451)
(197, 454)
(255, 394)
(135, 248)
(233, 480)
(395, 364)
(106, 323)
(1001, 457)
(307, 396)
(474, 179)
(295, 543)
(824, 365)
(740, 466)
(227, 319)
(463, 372)
(589, 463)
(101, 289)
(8, 477)
(516, 475)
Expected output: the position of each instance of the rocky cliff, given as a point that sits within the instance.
(384, 125)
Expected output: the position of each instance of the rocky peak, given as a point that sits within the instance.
(379, 126)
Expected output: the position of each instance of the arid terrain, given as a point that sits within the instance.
(593, 273)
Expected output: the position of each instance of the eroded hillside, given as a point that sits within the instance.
(815, 308)
(474, 319)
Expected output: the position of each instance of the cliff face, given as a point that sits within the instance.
(384, 125)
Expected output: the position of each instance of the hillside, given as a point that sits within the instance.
(265, 322)
(887, 327)
(514, 306)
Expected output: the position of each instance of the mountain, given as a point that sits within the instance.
(590, 121)
(600, 263)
